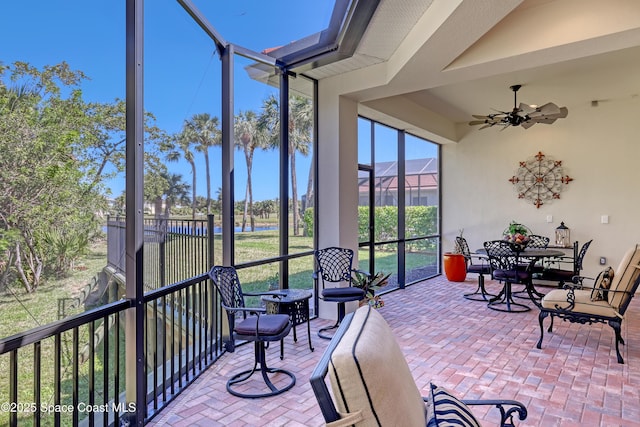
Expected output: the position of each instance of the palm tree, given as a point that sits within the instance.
(205, 133)
(180, 145)
(248, 137)
(299, 128)
(177, 191)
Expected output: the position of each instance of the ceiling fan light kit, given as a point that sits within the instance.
(522, 115)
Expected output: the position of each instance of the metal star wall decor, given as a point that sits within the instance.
(540, 179)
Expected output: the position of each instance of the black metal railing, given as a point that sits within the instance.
(183, 341)
(74, 371)
(174, 249)
(60, 371)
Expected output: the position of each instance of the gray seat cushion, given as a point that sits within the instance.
(270, 324)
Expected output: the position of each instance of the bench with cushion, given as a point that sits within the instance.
(605, 302)
(372, 385)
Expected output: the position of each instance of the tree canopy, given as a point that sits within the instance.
(58, 151)
(42, 183)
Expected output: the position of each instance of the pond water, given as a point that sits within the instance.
(199, 231)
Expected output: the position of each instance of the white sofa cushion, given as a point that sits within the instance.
(370, 375)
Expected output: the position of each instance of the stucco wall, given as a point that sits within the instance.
(599, 148)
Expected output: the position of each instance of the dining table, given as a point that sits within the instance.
(530, 257)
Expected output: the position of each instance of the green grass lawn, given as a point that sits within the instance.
(22, 311)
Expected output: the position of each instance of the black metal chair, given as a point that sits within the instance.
(335, 265)
(480, 267)
(535, 242)
(506, 268)
(254, 325)
(538, 242)
(566, 275)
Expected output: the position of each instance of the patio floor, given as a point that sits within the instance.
(475, 352)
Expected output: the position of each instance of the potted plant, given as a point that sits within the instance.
(455, 264)
(368, 283)
(517, 234)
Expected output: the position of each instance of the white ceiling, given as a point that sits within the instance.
(454, 58)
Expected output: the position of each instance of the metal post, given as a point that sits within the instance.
(284, 176)
(210, 240)
(161, 235)
(134, 337)
(227, 156)
(401, 210)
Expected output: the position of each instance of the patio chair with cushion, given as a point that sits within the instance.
(335, 265)
(478, 264)
(371, 383)
(254, 325)
(605, 302)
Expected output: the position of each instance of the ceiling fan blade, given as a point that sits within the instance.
(546, 109)
(544, 120)
(479, 117)
(528, 124)
(526, 109)
(563, 112)
(487, 123)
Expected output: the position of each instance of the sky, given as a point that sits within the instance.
(181, 66)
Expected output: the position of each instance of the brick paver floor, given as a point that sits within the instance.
(475, 352)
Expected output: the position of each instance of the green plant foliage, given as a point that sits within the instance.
(307, 220)
(369, 283)
(517, 228)
(419, 220)
(65, 247)
(46, 183)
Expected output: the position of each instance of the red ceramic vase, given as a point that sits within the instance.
(455, 267)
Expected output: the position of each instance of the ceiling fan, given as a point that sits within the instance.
(522, 115)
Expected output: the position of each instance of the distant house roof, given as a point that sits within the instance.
(419, 173)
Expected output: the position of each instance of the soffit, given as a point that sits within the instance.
(390, 24)
(449, 59)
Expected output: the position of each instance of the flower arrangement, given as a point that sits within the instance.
(517, 234)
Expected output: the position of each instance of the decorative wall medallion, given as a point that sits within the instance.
(540, 179)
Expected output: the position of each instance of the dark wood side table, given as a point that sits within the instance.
(295, 303)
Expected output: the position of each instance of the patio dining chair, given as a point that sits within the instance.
(480, 267)
(507, 268)
(335, 266)
(562, 275)
(536, 242)
(534, 266)
(253, 325)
